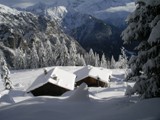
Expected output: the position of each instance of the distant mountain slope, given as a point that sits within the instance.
(101, 9)
(25, 33)
(83, 23)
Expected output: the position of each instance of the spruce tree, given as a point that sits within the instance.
(5, 75)
(122, 62)
(19, 59)
(103, 61)
(49, 53)
(73, 54)
(34, 59)
(91, 57)
(144, 26)
(42, 55)
(113, 62)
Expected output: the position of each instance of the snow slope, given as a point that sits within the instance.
(83, 103)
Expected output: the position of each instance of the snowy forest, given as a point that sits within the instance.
(45, 54)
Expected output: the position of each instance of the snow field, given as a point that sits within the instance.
(81, 104)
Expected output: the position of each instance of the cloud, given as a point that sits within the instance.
(129, 7)
(23, 5)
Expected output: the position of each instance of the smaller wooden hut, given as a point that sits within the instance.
(93, 76)
(54, 83)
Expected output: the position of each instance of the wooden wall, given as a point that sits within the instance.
(92, 82)
(49, 89)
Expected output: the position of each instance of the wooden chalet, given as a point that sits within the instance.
(93, 76)
(54, 83)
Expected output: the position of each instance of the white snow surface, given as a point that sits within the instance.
(57, 13)
(83, 103)
(5, 9)
(80, 94)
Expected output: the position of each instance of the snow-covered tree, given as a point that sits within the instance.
(103, 61)
(63, 54)
(97, 60)
(19, 59)
(123, 60)
(73, 54)
(5, 75)
(28, 58)
(91, 57)
(80, 60)
(56, 52)
(42, 55)
(49, 52)
(86, 58)
(144, 26)
(113, 62)
(34, 59)
(108, 63)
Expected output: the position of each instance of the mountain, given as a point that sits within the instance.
(25, 37)
(95, 24)
(105, 10)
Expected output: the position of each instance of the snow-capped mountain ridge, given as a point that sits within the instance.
(94, 7)
(8, 10)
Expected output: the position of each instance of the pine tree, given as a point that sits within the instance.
(97, 60)
(73, 54)
(103, 61)
(113, 62)
(80, 60)
(83, 63)
(86, 58)
(28, 58)
(19, 59)
(42, 55)
(34, 59)
(144, 26)
(63, 55)
(49, 53)
(5, 75)
(56, 52)
(91, 58)
(108, 64)
(123, 60)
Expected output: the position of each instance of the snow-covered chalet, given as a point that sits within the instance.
(93, 76)
(54, 83)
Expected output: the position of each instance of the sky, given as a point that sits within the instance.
(22, 3)
(129, 7)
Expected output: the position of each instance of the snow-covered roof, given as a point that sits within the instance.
(57, 77)
(89, 71)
